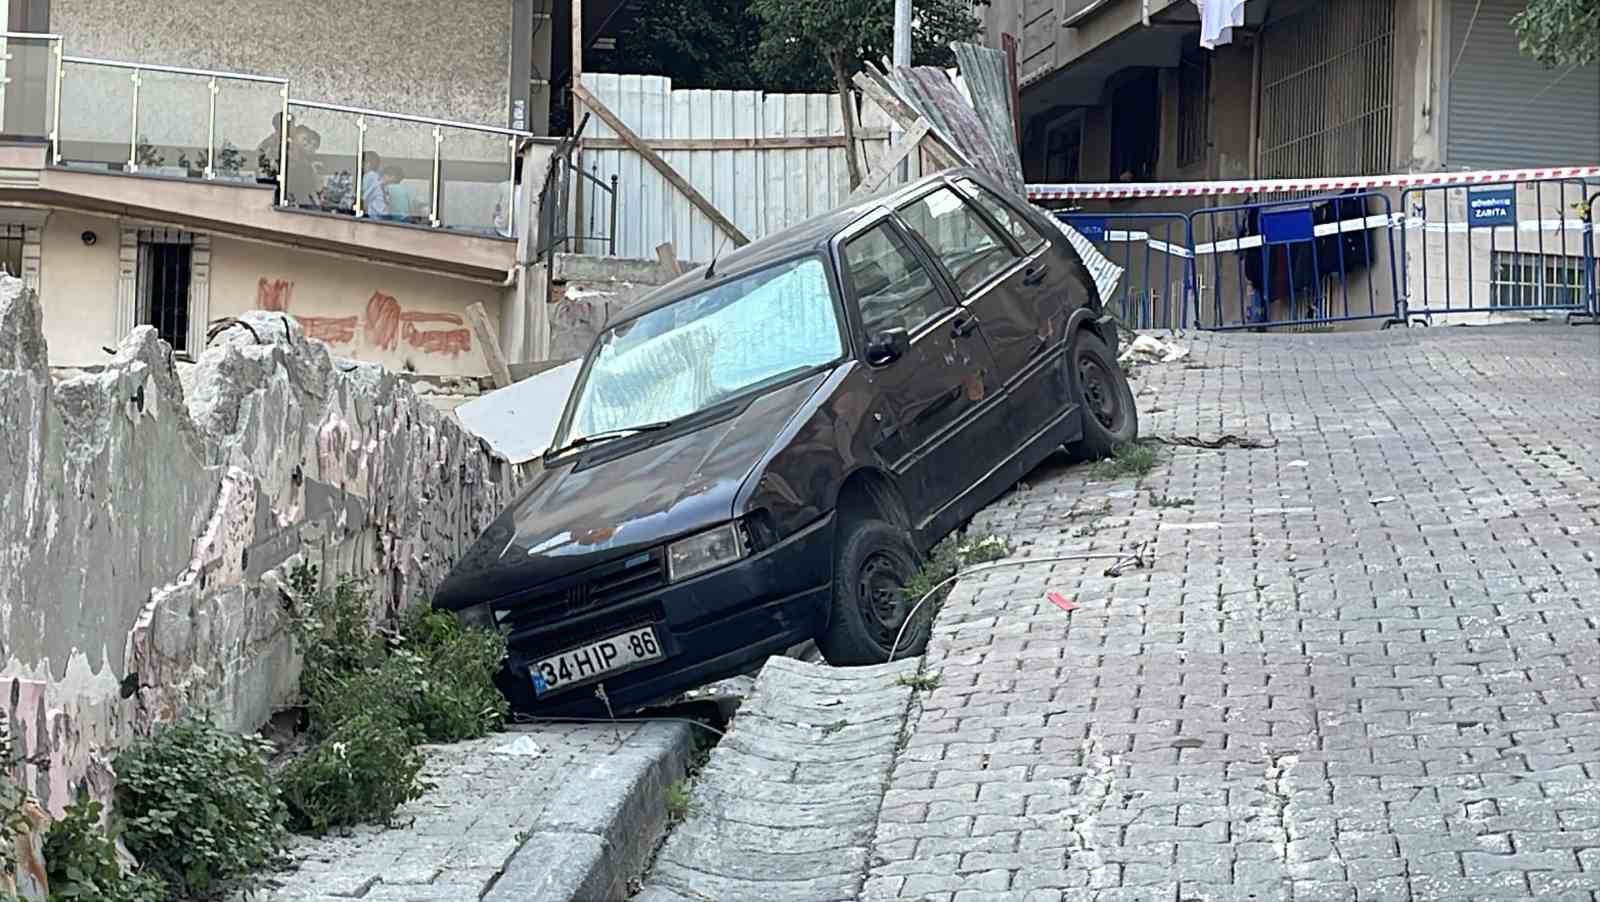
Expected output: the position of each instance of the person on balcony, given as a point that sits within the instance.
(374, 192)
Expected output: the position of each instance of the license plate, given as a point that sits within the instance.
(595, 659)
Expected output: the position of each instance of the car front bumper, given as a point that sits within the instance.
(711, 627)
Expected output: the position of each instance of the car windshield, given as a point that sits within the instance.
(696, 352)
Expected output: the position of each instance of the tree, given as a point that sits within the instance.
(1560, 32)
(699, 43)
(843, 34)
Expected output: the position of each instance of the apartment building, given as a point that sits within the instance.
(359, 166)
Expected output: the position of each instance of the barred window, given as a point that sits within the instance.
(1535, 280)
(1194, 93)
(11, 240)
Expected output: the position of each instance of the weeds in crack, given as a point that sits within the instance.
(1133, 459)
(1169, 501)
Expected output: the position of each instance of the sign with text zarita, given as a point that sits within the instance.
(1494, 205)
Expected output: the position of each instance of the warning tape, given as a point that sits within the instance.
(1396, 220)
(1343, 183)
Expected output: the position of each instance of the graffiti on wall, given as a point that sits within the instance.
(388, 323)
(385, 326)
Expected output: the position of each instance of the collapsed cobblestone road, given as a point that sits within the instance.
(1366, 663)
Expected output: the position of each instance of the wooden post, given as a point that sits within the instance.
(943, 151)
(891, 160)
(638, 145)
(489, 342)
(577, 52)
(667, 259)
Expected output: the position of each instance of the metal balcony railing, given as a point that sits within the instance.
(177, 122)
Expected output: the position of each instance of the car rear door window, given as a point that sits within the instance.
(1009, 219)
(892, 287)
(969, 247)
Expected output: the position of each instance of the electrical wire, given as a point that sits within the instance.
(526, 719)
(1137, 558)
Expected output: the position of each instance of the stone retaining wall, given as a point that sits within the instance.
(147, 518)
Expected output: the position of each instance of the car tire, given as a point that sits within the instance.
(1106, 405)
(872, 560)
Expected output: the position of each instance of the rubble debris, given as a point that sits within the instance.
(1149, 349)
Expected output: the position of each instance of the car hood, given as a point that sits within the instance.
(604, 504)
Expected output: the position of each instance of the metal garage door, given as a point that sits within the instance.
(1505, 110)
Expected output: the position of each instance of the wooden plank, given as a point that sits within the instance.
(489, 343)
(877, 88)
(788, 142)
(639, 146)
(667, 259)
(891, 162)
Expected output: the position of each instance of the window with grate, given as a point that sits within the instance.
(11, 241)
(1136, 127)
(1535, 280)
(164, 277)
(1064, 149)
(1194, 106)
(1327, 91)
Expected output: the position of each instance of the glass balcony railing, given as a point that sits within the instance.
(195, 123)
(28, 65)
(166, 120)
(397, 168)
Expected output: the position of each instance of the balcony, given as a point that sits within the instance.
(382, 183)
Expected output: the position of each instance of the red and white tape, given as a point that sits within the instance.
(1114, 190)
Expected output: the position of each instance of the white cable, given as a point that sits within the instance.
(995, 565)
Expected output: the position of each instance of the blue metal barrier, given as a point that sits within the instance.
(1155, 252)
(1591, 253)
(1304, 263)
(1501, 248)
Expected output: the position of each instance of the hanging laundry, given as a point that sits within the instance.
(1218, 19)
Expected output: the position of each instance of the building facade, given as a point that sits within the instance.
(357, 166)
(1118, 90)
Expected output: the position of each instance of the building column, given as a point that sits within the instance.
(199, 292)
(127, 282)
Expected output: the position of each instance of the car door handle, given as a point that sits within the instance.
(964, 325)
(1035, 275)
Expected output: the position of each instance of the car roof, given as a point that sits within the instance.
(805, 237)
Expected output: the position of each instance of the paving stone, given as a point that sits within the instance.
(1361, 667)
(501, 818)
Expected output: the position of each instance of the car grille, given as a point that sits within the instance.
(593, 590)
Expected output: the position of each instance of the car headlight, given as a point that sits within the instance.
(705, 551)
(477, 616)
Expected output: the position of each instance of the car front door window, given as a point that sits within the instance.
(967, 246)
(893, 288)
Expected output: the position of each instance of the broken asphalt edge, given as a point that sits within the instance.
(600, 829)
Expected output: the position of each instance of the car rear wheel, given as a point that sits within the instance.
(872, 563)
(1110, 418)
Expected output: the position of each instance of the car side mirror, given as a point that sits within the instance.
(888, 346)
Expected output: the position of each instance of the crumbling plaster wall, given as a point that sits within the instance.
(147, 518)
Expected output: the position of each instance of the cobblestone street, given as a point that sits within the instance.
(1365, 665)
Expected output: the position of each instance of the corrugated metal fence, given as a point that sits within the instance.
(761, 189)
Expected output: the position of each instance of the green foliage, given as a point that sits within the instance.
(12, 800)
(1159, 500)
(921, 682)
(82, 862)
(1133, 459)
(700, 44)
(678, 800)
(372, 698)
(844, 33)
(946, 560)
(197, 806)
(437, 682)
(361, 773)
(1560, 32)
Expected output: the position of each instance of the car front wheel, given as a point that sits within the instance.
(1110, 418)
(872, 563)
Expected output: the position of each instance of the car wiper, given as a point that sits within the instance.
(608, 435)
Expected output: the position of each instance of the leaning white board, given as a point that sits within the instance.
(519, 421)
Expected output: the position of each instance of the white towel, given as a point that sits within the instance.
(1218, 19)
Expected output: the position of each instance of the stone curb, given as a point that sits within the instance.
(602, 827)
